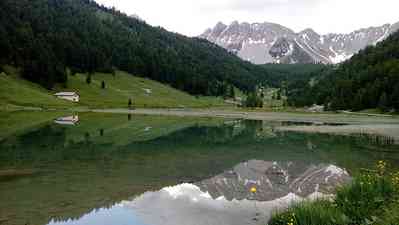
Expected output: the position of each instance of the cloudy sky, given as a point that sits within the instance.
(192, 17)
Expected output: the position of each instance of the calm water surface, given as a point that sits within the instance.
(141, 170)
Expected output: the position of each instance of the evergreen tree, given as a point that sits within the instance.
(232, 92)
(130, 103)
(383, 102)
(278, 94)
(88, 78)
(395, 99)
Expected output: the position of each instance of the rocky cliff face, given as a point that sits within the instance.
(272, 43)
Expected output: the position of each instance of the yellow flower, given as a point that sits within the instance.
(381, 165)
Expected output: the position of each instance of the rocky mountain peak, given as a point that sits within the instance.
(273, 43)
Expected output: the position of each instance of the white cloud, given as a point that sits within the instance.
(192, 17)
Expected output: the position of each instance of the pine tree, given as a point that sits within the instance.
(278, 95)
(383, 103)
(88, 78)
(232, 92)
(130, 103)
(395, 99)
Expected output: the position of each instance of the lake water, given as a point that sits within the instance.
(143, 170)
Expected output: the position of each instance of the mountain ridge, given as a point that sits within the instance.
(267, 42)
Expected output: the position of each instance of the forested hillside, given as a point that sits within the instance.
(45, 37)
(369, 79)
(292, 73)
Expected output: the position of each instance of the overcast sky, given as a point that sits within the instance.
(192, 17)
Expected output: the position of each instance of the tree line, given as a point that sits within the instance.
(370, 79)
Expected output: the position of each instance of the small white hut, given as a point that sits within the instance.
(70, 96)
(67, 120)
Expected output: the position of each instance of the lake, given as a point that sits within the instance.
(115, 169)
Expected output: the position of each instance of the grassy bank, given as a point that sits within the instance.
(372, 198)
(104, 91)
(18, 92)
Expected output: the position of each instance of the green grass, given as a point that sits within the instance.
(390, 215)
(122, 86)
(320, 212)
(372, 198)
(18, 92)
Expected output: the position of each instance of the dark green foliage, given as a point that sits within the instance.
(88, 79)
(130, 103)
(292, 77)
(369, 79)
(253, 101)
(292, 73)
(294, 80)
(232, 92)
(46, 36)
(383, 103)
(278, 97)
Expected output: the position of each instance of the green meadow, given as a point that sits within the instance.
(116, 92)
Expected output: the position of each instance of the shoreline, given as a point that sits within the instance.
(259, 115)
(278, 116)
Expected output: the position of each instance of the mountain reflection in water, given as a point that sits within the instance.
(95, 173)
(226, 198)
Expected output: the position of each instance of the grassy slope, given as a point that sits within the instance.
(124, 86)
(15, 91)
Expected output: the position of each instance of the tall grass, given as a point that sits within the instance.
(372, 198)
(320, 212)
